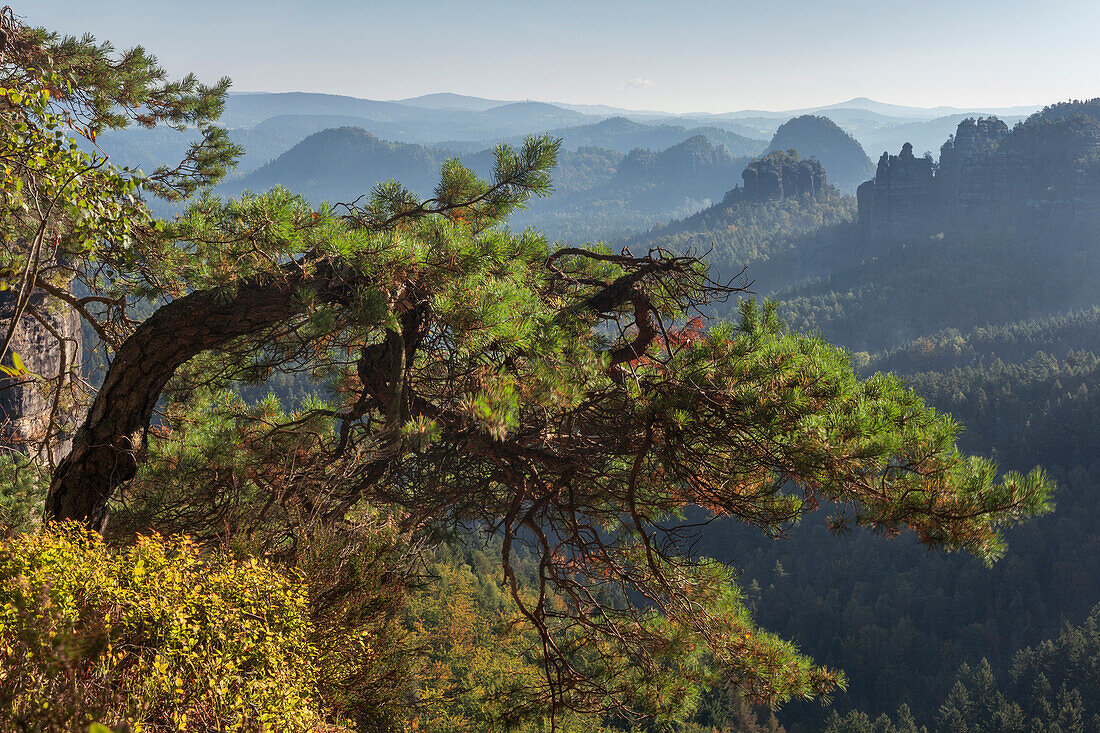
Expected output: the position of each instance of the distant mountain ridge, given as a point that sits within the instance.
(889, 110)
(599, 192)
(419, 122)
(896, 110)
(624, 135)
(468, 123)
(537, 113)
(445, 101)
(268, 124)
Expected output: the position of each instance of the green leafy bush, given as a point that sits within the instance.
(157, 636)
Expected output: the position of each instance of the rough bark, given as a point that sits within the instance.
(103, 454)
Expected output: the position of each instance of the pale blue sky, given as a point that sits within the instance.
(676, 55)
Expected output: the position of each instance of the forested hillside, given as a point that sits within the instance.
(989, 277)
(1051, 686)
(778, 240)
(997, 324)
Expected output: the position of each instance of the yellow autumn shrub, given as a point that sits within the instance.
(155, 637)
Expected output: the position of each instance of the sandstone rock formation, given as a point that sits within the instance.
(29, 404)
(1043, 172)
(971, 174)
(900, 198)
(782, 174)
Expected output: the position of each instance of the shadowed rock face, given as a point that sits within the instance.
(782, 175)
(901, 197)
(1046, 169)
(26, 403)
(971, 173)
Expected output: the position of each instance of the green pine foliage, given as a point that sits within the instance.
(23, 486)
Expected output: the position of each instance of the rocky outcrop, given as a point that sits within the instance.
(782, 174)
(971, 174)
(901, 197)
(27, 403)
(1043, 172)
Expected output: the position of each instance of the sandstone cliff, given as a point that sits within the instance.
(27, 404)
(782, 174)
(900, 198)
(1045, 171)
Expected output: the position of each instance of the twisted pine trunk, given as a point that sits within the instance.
(103, 454)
